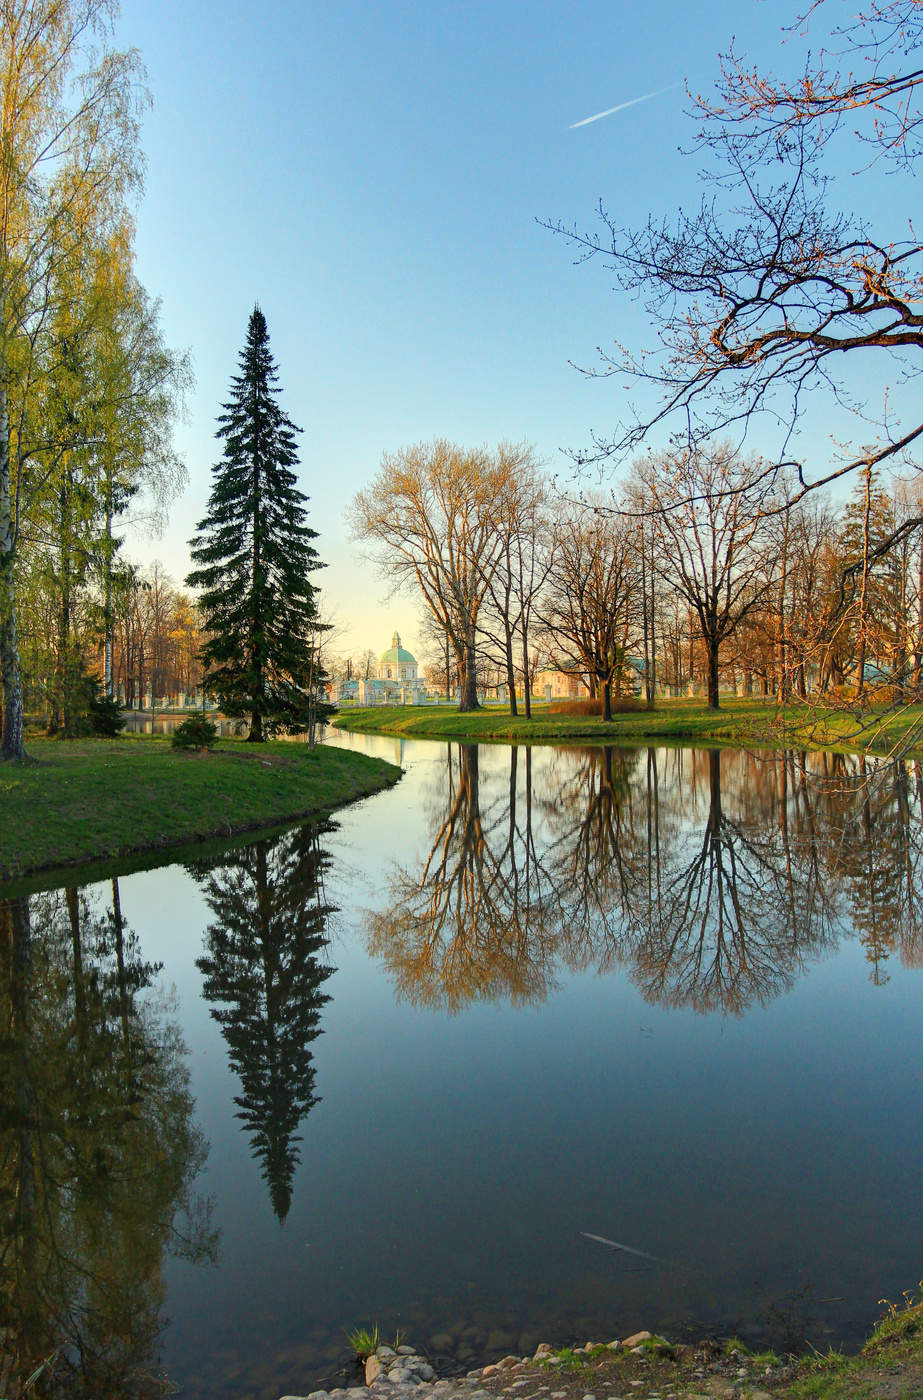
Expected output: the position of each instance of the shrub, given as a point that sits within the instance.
(196, 732)
(105, 715)
(621, 705)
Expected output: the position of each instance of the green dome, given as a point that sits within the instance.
(397, 653)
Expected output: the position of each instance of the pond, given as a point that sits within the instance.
(425, 1064)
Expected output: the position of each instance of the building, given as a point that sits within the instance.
(395, 683)
(397, 664)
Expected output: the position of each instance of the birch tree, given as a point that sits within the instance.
(69, 158)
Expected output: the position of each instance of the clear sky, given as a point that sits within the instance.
(372, 174)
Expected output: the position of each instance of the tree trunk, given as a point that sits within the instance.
(510, 669)
(526, 690)
(10, 673)
(711, 645)
(606, 688)
(468, 677)
(863, 593)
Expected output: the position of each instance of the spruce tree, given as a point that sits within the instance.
(253, 554)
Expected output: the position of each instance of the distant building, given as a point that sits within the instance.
(561, 681)
(397, 664)
(396, 681)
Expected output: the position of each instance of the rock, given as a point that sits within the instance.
(356, 1392)
(385, 1353)
(426, 1371)
(589, 1397)
(406, 1351)
(553, 1360)
(373, 1369)
(316, 1395)
(636, 1339)
(743, 1373)
(507, 1362)
(543, 1349)
(490, 1370)
(613, 1346)
(398, 1375)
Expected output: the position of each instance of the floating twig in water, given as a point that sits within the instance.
(627, 1249)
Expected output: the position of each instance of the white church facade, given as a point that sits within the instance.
(396, 681)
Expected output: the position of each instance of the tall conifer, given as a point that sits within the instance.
(254, 554)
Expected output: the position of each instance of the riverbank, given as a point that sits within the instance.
(91, 800)
(888, 1367)
(743, 722)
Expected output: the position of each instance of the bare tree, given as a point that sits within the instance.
(756, 297)
(430, 516)
(707, 514)
(589, 605)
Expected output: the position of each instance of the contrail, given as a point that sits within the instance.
(622, 105)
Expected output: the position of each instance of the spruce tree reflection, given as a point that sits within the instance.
(265, 965)
(98, 1154)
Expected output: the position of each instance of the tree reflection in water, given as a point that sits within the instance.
(480, 920)
(712, 877)
(265, 964)
(98, 1151)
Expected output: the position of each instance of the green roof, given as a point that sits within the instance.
(397, 653)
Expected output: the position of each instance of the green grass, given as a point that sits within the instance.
(738, 721)
(94, 800)
(364, 1341)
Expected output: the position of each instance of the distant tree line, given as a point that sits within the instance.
(704, 569)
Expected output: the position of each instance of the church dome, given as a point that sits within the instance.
(397, 654)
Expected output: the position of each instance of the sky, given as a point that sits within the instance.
(375, 175)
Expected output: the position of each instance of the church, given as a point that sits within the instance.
(397, 664)
(396, 682)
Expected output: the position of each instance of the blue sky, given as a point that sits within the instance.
(372, 174)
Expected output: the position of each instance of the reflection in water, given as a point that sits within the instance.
(479, 919)
(265, 966)
(713, 877)
(98, 1151)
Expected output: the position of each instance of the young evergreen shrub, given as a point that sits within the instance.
(196, 732)
(106, 718)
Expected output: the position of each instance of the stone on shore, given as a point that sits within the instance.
(635, 1340)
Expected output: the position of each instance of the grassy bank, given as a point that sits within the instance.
(96, 799)
(738, 721)
(888, 1367)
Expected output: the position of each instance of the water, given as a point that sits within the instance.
(397, 1068)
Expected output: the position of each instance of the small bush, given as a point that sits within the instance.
(621, 705)
(196, 732)
(106, 717)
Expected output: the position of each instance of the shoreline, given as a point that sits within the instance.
(85, 804)
(742, 723)
(647, 1366)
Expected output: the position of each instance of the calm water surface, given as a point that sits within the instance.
(399, 1067)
